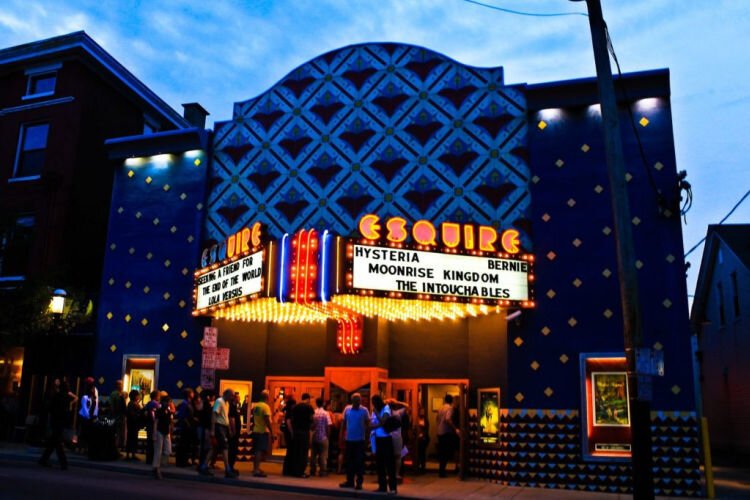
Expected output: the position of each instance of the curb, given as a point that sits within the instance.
(242, 483)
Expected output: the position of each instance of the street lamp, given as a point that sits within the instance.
(57, 304)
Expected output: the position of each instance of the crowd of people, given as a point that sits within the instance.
(206, 427)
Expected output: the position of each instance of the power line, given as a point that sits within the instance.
(736, 205)
(530, 14)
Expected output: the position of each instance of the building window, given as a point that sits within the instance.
(720, 300)
(32, 145)
(41, 80)
(15, 245)
(43, 84)
(735, 295)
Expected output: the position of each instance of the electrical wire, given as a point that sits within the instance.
(735, 207)
(642, 152)
(530, 14)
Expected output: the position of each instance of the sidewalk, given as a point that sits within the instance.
(423, 486)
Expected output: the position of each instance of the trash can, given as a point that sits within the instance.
(102, 440)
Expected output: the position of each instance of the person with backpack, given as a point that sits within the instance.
(59, 405)
(185, 429)
(383, 423)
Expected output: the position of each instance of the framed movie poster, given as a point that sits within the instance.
(488, 414)
(611, 405)
(141, 380)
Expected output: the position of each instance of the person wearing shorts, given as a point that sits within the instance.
(262, 432)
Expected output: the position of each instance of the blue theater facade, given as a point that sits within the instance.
(380, 146)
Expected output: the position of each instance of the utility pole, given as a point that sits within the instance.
(640, 410)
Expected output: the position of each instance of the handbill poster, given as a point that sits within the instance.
(489, 416)
(611, 405)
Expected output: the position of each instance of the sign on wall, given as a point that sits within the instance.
(436, 273)
(240, 278)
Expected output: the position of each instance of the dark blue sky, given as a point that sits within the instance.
(218, 53)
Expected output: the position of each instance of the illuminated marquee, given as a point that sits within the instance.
(474, 263)
(236, 278)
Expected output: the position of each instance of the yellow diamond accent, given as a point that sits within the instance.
(577, 282)
(572, 322)
(170, 357)
(551, 255)
(577, 243)
(638, 264)
(149, 180)
(518, 341)
(131, 250)
(670, 258)
(173, 229)
(146, 289)
(628, 177)
(138, 215)
(144, 322)
(643, 121)
(185, 271)
(564, 358)
(165, 327)
(534, 365)
(667, 303)
(585, 148)
(156, 221)
(658, 165)
(112, 246)
(548, 391)
(676, 389)
(546, 331)
(199, 206)
(197, 162)
(535, 179)
(166, 295)
(167, 263)
(111, 281)
(519, 397)
(109, 315)
(667, 213)
(559, 163)
(190, 239)
(120, 210)
(606, 273)
(182, 303)
(101, 380)
(607, 230)
(183, 196)
(598, 189)
(166, 187)
(179, 384)
(149, 256)
(571, 203)
(128, 317)
(636, 221)
(128, 284)
(551, 293)
(608, 313)
(131, 173)
(190, 363)
(658, 346)
(113, 348)
(184, 334)
(542, 124)
(546, 217)
(199, 389)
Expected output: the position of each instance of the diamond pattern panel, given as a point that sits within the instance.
(385, 128)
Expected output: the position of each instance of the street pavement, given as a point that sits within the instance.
(20, 477)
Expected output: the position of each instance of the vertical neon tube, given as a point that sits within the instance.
(282, 267)
(323, 276)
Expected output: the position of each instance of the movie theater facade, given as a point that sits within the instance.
(387, 220)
